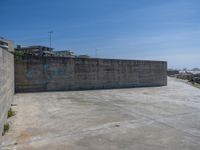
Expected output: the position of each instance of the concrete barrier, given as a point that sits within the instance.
(33, 74)
(6, 84)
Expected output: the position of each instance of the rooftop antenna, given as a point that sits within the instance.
(50, 32)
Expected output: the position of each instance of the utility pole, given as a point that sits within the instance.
(50, 32)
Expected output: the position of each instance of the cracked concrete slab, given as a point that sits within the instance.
(158, 118)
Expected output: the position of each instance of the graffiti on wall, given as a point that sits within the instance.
(45, 74)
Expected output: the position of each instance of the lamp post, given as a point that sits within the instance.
(50, 32)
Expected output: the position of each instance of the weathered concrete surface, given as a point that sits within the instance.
(6, 85)
(60, 74)
(158, 118)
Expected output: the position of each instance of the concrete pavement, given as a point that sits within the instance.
(158, 118)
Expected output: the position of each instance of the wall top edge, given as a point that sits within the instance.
(106, 59)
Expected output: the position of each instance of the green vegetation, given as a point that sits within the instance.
(5, 129)
(19, 55)
(7, 126)
(11, 113)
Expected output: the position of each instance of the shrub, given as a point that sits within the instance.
(10, 113)
(5, 129)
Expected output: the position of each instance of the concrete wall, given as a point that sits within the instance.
(172, 72)
(55, 74)
(6, 84)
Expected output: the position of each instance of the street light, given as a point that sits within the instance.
(50, 32)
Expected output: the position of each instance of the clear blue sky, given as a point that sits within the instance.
(130, 29)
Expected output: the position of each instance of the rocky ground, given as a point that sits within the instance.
(193, 79)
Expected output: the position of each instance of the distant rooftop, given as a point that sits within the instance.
(6, 44)
(34, 46)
